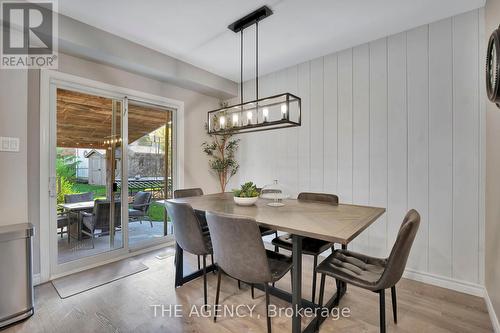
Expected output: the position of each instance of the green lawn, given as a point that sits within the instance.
(98, 190)
(156, 211)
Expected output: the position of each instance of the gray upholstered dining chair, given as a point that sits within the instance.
(189, 235)
(374, 274)
(139, 208)
(99, 218)
(194, 192)
(310, 246)
(245, 259)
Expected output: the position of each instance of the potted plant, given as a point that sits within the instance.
(221, 151)
(247, 195)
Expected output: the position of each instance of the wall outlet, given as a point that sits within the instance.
(9, 144)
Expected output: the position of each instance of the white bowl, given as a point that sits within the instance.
(245, 201)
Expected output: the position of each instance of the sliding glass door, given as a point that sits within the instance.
(149, 166)
(88, 163)
(111, 162)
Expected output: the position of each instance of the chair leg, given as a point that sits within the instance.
(212, 260)
(267, 309)
(205, 279)
(239, 284)
(252, 290)
(340, 290)
(321, 289)
(276, 248)
(219, 272)
(150, 221)
(199, 265)
(382, 310)
(315, 263)
(394, 304)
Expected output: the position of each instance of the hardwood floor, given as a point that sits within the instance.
(127, 305)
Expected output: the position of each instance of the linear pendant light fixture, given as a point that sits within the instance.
(273, 112)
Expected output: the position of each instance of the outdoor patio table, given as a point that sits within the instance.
(77, 208)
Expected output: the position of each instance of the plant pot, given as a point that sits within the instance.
(245, 201)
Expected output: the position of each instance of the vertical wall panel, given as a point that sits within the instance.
(378, 144)
(418, 139)
(304, 130)
(397, 124)
(440, 148)
(292, 138)
(330, 126)
(316, 144)
(465, 147)
(279, 137)
(345, 138)
(361, 134)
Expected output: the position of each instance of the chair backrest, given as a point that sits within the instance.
(187, 229)
(396, 262)
(188, 192)
(102, 214)
(80, 197)
(238, 248)
(140, 200)
(323, 197)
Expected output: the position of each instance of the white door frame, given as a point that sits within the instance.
(49, 80)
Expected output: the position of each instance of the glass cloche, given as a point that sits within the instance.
(275, 193)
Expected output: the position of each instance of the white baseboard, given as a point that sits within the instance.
(444, 282)
(37, 279)
(491, 311)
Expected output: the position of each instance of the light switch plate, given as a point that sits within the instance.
(9, 144)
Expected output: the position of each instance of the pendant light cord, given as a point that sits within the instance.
(241, 67)
(257, 60)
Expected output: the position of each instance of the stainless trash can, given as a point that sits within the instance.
(16, 282)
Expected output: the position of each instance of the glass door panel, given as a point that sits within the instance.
(88, 164)
(149, 155)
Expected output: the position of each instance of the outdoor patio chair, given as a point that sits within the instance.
(98, 220)
(140, 207)
(80, 197)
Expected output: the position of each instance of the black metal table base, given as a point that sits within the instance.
(314, 324)
(295, 297)
(180, 279)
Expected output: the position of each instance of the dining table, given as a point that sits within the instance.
(338, 224)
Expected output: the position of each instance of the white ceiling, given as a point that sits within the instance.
(195, 31)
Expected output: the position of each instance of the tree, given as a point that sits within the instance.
(221, 152)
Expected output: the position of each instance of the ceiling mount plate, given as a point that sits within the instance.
(250, 19)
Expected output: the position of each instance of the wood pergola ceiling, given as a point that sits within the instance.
(84, 121)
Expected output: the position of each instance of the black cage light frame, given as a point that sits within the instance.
(258, 121)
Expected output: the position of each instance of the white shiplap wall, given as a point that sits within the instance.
(397, 123)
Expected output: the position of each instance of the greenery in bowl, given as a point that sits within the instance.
(247, 190)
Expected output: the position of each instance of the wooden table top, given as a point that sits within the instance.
(339, 224)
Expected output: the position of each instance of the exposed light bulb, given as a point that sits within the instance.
(222, 121)
(265, 113)
(283, 111)
(249, 117)
(235, 120)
